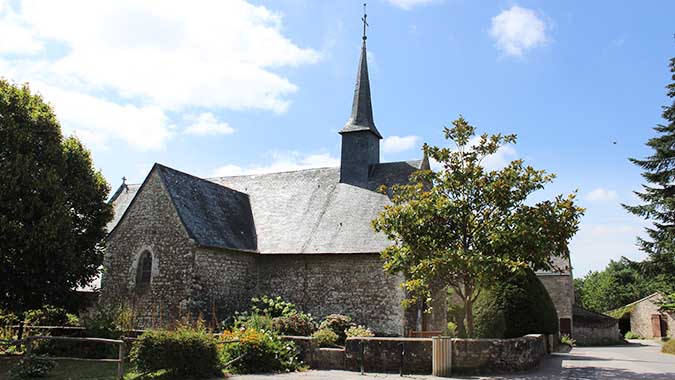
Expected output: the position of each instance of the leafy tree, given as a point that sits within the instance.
(658, 195)
(619, 284)
(53, 208)
(463, 226)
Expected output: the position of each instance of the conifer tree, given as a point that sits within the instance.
(658, 194)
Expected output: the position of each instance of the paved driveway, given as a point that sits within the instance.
(641, 361)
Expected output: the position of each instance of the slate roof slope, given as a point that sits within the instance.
(213, 215)
(120, 201)
(298, 212)
(309, 211)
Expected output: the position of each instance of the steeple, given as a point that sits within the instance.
(361, 118)
(360, 138)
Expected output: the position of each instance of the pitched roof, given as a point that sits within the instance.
(213, 215)
(298, 212)
(361, 118)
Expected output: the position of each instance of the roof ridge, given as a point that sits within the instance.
(210, 183)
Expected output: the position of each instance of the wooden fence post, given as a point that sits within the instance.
(120, 364)
(29, 347)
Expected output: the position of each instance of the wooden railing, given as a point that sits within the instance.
(120, 343)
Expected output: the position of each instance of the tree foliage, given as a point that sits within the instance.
(464, 226)
(517, 305)
(658, 194)
(53, 208)
(619, 284)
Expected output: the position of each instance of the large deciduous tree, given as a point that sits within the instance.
(658, 195)
(53, 208)
(465, 226)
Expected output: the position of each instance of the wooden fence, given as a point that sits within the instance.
(28, 354)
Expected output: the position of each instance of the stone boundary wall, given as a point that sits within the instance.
(469, 356)
(384, 354)
(497, 355)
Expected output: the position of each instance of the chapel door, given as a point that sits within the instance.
(656, 326)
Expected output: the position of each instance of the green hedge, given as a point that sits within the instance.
(669, 347)
(186, 352)
(518, 305)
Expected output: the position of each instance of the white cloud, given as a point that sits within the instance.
(97, 120)
(164, 56)
(16, 38)
(504, 155)
(601, 195)
(207, 124)
(596, 244)
(281, 162)
(517, 30)
(395, 144)
(408, 4)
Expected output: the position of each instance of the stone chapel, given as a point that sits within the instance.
(180, 243)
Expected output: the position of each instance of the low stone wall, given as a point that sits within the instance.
(497, 355)
(329, 358)
(468, 355)
(591, 335)
(306, 347)
(384, 354)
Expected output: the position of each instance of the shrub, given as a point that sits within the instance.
(50, 316)
(517, 305)
(252, 321)
(355, 331)
(185, 352)
(8, 318)
(27, 369)
(325, 337)
(669, 347)
(339, 324)
(632, 335)
(566, 339)
(257, 351)
(272, 307)
(296, 324)
(451, 329)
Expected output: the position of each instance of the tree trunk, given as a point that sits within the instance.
(468, 312)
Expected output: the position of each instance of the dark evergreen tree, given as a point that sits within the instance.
(658, 194)
(53, 208)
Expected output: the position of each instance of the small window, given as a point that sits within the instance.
(144, 269)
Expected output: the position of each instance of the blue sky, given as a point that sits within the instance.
(242, 87)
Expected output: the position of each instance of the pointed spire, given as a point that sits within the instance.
(361, 118)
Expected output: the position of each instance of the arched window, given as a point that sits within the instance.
(144, 272)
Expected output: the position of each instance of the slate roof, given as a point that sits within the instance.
(213, 215)
(298, 212)
(120, 201)
(361, 118)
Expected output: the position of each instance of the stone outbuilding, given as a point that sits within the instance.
(591, 328)
(644, 318)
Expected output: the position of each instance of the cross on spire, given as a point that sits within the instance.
(365, 21)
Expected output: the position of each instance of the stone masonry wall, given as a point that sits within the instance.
(227, 280)
(641, 318)
(497, 355)
(384, 354)
(469, 356)
(561, 289)
(151, 224)
(352, 284)
(588, 335)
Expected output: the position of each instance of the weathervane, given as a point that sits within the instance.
(365, 22)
